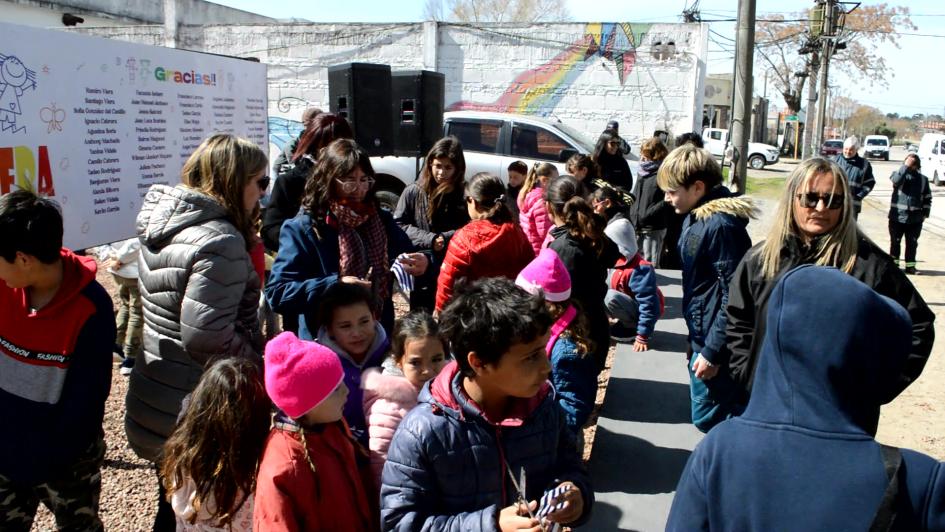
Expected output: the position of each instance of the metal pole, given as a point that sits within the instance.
(745, 37)
(824, 70)
(809, 113)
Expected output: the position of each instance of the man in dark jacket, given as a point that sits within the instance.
(712, 243)
(487, 429)
(801, 456)
(859, 171)
(57, 328)
(910, 205)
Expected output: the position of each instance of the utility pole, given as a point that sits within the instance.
(829, 45)
(809, 115)
(741, 112)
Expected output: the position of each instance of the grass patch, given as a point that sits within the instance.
(765, 187)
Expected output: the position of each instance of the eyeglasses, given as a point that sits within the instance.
(350, 185)
(811, 199)
(263, 183)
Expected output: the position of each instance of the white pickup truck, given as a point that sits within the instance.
(759, 154)
(491, 141)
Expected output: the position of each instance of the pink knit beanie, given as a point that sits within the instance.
(300, 374)
(546, 273)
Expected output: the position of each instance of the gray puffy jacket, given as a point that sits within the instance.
(200, 294)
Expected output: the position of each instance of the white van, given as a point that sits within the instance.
(876, 146)
(932, 154)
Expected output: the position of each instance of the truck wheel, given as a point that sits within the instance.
(757, 162)
(387, 199)
(886, 157)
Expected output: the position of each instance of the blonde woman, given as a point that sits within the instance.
(198, 286)
(815, 224)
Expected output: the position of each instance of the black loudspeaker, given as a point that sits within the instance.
(360, 92)
(417, 111)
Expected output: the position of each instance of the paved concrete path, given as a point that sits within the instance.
(644, 433)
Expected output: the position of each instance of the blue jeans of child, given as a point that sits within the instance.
(713, 400)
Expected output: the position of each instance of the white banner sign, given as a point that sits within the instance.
(93, 123)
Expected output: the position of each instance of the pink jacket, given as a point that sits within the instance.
(533, 218)
(387, 399)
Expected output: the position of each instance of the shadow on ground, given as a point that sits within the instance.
(643, 469)
(648, 401)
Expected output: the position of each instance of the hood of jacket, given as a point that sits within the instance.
(720, 200)
(378, 346)
(77, 273)
(493, 240)
(823, 373)
(168, 210)
(445, 392)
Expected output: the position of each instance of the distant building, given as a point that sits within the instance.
(99, 13)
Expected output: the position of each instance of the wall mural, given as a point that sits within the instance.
(538, 91)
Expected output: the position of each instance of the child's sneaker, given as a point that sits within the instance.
(623, 334)
(126, 365)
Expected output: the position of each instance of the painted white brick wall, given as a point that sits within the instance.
(481, 63)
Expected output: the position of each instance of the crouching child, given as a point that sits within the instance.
(487, 427)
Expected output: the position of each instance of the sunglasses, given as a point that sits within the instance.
(263, 183)
(811, 199)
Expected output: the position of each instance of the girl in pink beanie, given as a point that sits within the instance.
(312, 475)
(572, 371)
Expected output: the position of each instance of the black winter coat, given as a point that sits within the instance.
(588, 272)
(615, 170)
(748, 301)
(649, 212)
(411, 216)
(285, 201)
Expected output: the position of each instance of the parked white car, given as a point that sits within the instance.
(932, 155)
(491, 141)
(759, 155)
(876, 146)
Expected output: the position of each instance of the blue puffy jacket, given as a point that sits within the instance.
(447, 466)
(712, 243)
(801, 457)
(307, 264)
(575, 380)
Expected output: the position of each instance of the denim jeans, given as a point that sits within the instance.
(651, 245)
(713, 400)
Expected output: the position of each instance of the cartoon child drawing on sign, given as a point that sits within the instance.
(15, 78)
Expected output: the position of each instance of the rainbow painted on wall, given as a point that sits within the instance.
(538, 91)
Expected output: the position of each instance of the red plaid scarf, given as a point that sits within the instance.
(362, 246)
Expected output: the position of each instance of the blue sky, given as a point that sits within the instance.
(914, 86)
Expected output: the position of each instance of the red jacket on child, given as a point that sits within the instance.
(482, 249)
(339, 495)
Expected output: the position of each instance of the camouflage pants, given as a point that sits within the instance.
(72, 497)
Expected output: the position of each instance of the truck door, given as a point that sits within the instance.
(480, 139)
(534, 144)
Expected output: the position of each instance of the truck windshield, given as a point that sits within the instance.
(586, 145)
(876, 142)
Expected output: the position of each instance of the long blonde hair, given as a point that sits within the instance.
(837, 247)
(221, 167)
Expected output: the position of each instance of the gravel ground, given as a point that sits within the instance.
(129, 485)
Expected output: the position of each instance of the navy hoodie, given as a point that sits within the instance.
(799, 458)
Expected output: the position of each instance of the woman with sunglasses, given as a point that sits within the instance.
(199, 289)
(613, 167)
(814, 224)
(341, 235)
